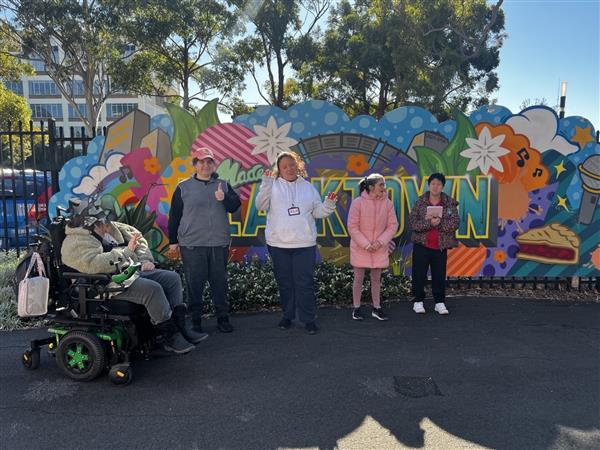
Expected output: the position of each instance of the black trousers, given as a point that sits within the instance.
(202, 264)
(423, 259)
(294, 270)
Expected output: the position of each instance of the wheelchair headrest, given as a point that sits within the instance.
(56, 229)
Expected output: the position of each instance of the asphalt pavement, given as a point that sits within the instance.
(495, 373)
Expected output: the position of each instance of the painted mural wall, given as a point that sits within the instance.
(528, 184)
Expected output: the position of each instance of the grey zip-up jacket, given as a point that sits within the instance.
(197, 218)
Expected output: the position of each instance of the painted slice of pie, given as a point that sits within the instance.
(550, 244)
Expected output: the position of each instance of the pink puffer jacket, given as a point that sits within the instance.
(371, 220)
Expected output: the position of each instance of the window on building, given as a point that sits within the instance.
(55, 54)
(38, 65)
(73, 112)
(97, 86)
(77, 89)
(42, 87)
(15, 86)
(46, 111)
(116, 110)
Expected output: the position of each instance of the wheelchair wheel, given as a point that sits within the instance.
(31, 359)
(81, 355)
(120, 374)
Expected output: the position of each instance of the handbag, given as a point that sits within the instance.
(33, 292)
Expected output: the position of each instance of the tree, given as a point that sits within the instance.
(526, 103)
(179, 42)
(11, 69)
(75, 41)
(13, 107)
(277, 36)
(379, 54)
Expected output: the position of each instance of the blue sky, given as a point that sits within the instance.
(548, 41)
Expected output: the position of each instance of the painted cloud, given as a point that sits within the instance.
(540, 124)
(90, 182)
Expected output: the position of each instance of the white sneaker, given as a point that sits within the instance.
(441, 308)
(418, 308)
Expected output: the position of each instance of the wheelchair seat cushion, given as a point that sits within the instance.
(115, 307)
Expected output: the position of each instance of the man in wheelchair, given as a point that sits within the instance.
(94, 244)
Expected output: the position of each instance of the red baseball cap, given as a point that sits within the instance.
(203, 153)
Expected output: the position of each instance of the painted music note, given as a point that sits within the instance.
(537, 172)
(523, 155)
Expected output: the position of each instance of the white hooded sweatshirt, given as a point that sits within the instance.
(292, 208)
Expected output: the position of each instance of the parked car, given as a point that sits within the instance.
(19, 211)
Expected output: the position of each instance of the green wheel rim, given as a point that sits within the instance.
(78, 357)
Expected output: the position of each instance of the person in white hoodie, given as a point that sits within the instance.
(292, 205)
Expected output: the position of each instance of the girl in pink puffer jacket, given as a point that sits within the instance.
(372, 224)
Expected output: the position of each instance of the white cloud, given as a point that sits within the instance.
(97, 173)
(539, 124)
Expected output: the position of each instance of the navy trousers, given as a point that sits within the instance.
(295, 275)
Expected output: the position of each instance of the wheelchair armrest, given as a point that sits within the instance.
(86, 276)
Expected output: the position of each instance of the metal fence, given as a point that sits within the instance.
(31, 156)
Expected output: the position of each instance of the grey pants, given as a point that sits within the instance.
(159, 291)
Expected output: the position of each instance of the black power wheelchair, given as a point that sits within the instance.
(90, 332)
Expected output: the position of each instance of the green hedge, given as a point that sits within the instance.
(252, 287)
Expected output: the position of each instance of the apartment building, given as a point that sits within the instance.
(46, 101)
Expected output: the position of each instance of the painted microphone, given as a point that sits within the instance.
(589, 171)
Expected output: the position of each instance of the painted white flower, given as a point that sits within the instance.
(271, 139)
(97, 173)
(485, 152)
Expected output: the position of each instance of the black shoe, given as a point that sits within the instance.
(379, 314)
(223, 325)
(357, 314)
(197, 326)
(311, 328)
(173, 340)
(285, 324)
(191, 335)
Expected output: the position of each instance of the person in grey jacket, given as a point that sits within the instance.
(199, 228)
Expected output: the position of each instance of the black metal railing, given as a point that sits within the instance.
(31, 156)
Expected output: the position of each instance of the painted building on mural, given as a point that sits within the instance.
(528, 184)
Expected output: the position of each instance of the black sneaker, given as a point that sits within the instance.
(285, 324)
(311, 328)
(357, 314)
(379, 314)
(223, 325)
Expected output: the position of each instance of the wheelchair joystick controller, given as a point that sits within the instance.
(124, 274)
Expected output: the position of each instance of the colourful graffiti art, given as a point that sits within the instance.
(528, 184)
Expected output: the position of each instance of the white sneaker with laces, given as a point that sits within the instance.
(419, 308)
(441, 308)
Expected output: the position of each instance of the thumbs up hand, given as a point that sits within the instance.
(219, 194)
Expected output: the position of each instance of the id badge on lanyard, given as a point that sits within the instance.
(293, 210)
